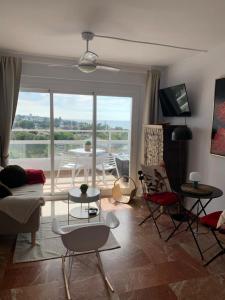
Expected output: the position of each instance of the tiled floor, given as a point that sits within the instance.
(145, 267)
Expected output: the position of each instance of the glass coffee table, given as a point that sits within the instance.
(84, 210)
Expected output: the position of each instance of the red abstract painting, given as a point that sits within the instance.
(218, 128)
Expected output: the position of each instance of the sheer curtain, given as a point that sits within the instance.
(10, 74)
(151, 104)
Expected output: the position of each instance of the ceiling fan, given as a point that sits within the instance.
(88, 61)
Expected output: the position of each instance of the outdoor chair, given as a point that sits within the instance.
(157, 193)
(68, 162)
(108, 164)
(215, 222)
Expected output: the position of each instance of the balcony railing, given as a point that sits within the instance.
(36, 153)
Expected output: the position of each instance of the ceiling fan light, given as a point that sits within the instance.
(87, 68)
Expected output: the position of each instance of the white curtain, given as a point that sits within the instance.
(151, 104)
(10, 74)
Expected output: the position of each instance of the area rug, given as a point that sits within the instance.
(48, 245)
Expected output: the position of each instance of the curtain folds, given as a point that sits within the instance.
(10, 74)
(151, 105)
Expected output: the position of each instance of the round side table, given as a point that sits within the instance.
(200, 205)
(82, 212)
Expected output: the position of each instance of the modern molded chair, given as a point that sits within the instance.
(211, 221)
(84, 239)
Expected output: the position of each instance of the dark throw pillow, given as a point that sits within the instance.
(4, 191)
(13, 176)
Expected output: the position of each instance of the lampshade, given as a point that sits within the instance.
(181, 133)
(195, 176)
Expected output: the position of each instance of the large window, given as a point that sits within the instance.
(30, 137)
(56, 141)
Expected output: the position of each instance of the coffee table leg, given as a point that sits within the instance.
(100, 210)
(68, 209)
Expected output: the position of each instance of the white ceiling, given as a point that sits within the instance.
(53, 27)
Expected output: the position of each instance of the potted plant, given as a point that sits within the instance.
(87, 146)
(84, 188)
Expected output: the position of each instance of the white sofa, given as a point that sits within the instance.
(27, 199)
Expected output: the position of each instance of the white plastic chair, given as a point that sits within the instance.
(68, 162)
(84, 239)
(108, 164)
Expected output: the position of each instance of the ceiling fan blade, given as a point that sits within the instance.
(107, 68)
(62, 65)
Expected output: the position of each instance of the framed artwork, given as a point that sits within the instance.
(218, 126)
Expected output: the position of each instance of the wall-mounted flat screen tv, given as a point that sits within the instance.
(174, 101)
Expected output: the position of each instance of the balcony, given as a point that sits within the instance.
(36, 153)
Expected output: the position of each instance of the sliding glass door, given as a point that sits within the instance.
(30, 137)
(73, 132)
(113, 135)
(74, 138)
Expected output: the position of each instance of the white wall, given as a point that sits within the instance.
(199, 74)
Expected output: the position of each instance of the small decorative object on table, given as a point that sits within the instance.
(195, 178)
(87, 146)
(84, 188)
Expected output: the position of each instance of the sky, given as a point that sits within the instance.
(75, 107)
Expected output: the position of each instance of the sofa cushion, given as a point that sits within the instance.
(35, 176)
(166, 198)
(28, 190)
(13, 176)
(4, 191)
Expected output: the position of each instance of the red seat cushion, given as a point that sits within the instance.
(211, 220)
(35, 176)
(165, 198)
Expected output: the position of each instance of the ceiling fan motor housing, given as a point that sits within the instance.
(87, 35)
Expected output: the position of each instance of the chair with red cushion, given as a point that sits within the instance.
(157, 192)
(212, 222)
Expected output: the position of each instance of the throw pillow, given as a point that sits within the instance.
(35, 176)
(155, 179)
(4, 191)
(221, 221)
(13, 176)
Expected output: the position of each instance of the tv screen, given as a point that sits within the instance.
(174, 101)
